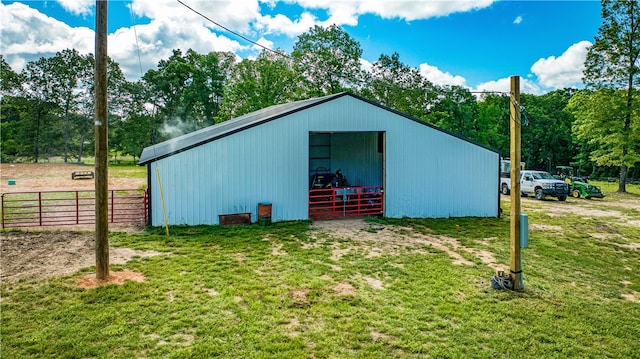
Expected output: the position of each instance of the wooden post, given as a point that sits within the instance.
(102, 178)
(515, 266)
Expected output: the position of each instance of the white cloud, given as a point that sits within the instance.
(504, 85)
(237, 15)
(438, 77)
(262, 44)
(28, 35)
(347, 12)
(157, 40)
(565, 70)
(413, 10)
(77, 7)
(403, 9)
(280, 24)
(517, 20)
(244, 15)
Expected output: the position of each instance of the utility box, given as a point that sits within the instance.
(524, 230)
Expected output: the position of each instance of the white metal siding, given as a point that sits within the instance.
(234, 174)
(429, 173)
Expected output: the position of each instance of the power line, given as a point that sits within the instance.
(135, 32)
(233, 32)
(278, 53)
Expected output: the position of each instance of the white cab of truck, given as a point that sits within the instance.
(542, 184)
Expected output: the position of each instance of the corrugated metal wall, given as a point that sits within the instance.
(428, 173)
(264, 164)
(356, 154)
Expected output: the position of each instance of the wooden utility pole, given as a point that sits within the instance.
(102, 177)
(515, 126)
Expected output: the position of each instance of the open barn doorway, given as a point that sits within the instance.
(346, 174)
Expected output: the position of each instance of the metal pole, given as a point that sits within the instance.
(515, 266)
(102, 178)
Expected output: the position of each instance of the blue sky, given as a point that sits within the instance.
(475, 43)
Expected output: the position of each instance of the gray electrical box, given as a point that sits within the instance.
(524, 230)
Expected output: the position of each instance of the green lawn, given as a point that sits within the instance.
(127, 171)
(281, 291)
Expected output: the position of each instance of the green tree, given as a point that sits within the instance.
(10, 108)
(255, 84)
(189, 88)
(600, 119)
(40, 130)
(612, 63)
(396, 85)
(457, 111)
(70, 78)
(10, 81)
(494, 114)
(546, 132)
(138, 126)
(328, 60)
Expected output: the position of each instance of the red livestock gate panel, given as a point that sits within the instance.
(63, 208)
(326, 203)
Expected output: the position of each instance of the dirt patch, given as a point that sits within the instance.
(90, 281)
(374, 283)
(39, 255)
(633, 246)
(377, 336)
(633, 297)
(545, 227)
(292, 326)
(30, 177)
(584, 208)
(345, 289)
(299, 298)
(376, 240)
(276, 250)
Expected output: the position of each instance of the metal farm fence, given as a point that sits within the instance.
(325, 203)
(65, 208)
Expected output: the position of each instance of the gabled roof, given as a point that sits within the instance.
(212, 133)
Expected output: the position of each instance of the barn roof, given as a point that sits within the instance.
(211, 133)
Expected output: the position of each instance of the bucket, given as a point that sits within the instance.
(264, 214)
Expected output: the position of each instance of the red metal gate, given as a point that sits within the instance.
(64, 208)
(325, 203)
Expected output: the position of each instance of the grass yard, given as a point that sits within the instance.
(127, 171)
(388, 289)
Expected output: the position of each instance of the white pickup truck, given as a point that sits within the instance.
(540, 184)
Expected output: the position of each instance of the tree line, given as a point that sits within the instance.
(47, 108)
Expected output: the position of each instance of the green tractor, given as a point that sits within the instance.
(578, 186)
